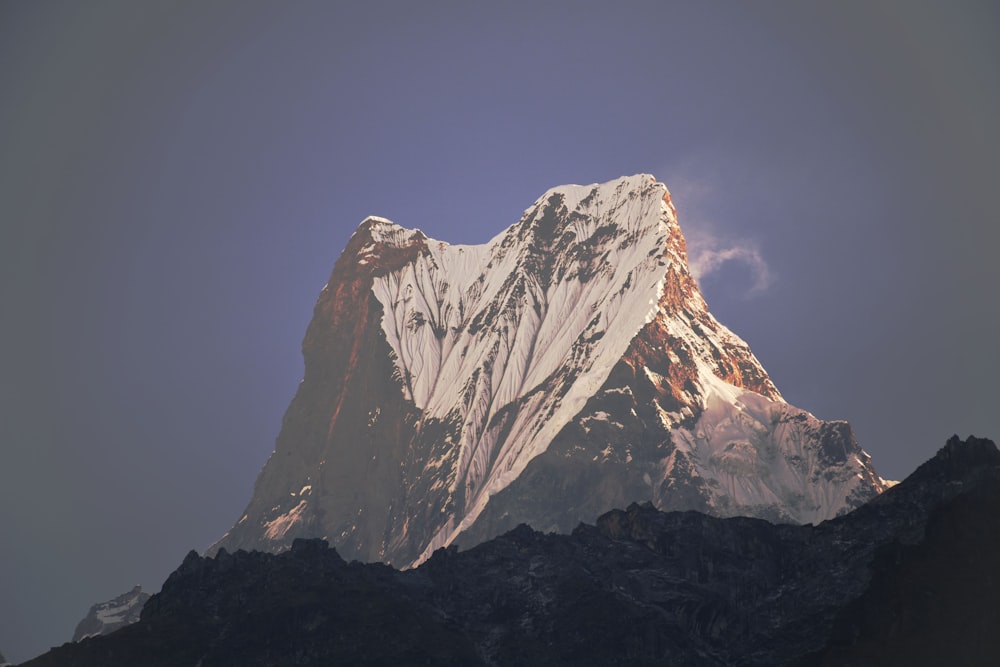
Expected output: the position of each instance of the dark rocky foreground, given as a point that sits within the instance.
(908, 579)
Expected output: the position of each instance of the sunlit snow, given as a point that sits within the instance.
(473, 326)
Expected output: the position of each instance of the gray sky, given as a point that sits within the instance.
(177, 180)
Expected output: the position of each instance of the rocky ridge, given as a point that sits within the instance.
(908, 578)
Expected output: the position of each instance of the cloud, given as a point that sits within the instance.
(710, 245)
(704, 260)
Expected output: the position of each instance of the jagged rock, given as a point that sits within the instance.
(566, 367)
(907, 579)
(106, 617)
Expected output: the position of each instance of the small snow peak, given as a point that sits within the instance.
(373, 221)
(385, 231)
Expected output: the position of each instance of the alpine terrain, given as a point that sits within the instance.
(566, 367)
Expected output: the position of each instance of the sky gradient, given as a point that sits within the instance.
(177, 180)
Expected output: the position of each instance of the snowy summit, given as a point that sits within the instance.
(566, 367)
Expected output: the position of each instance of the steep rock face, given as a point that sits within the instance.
(343, 440)
(568, 366)
(907, 579)
(106, 617)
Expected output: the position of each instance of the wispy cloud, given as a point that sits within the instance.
(710, 245)
(706, 258)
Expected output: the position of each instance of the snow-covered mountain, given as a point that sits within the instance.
(566, 367)
(106, 617)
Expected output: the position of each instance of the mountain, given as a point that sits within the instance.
(106, 617)
(906, 579)
(566, 367)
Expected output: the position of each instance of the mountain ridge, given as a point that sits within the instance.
(639, 587)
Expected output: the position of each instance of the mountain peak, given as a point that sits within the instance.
(972, 451)
(567, 366)
(959, 458)
(106, 617)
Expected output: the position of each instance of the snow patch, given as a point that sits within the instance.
(760, 452)
(276, 529)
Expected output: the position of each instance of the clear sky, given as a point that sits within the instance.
(177, 180)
